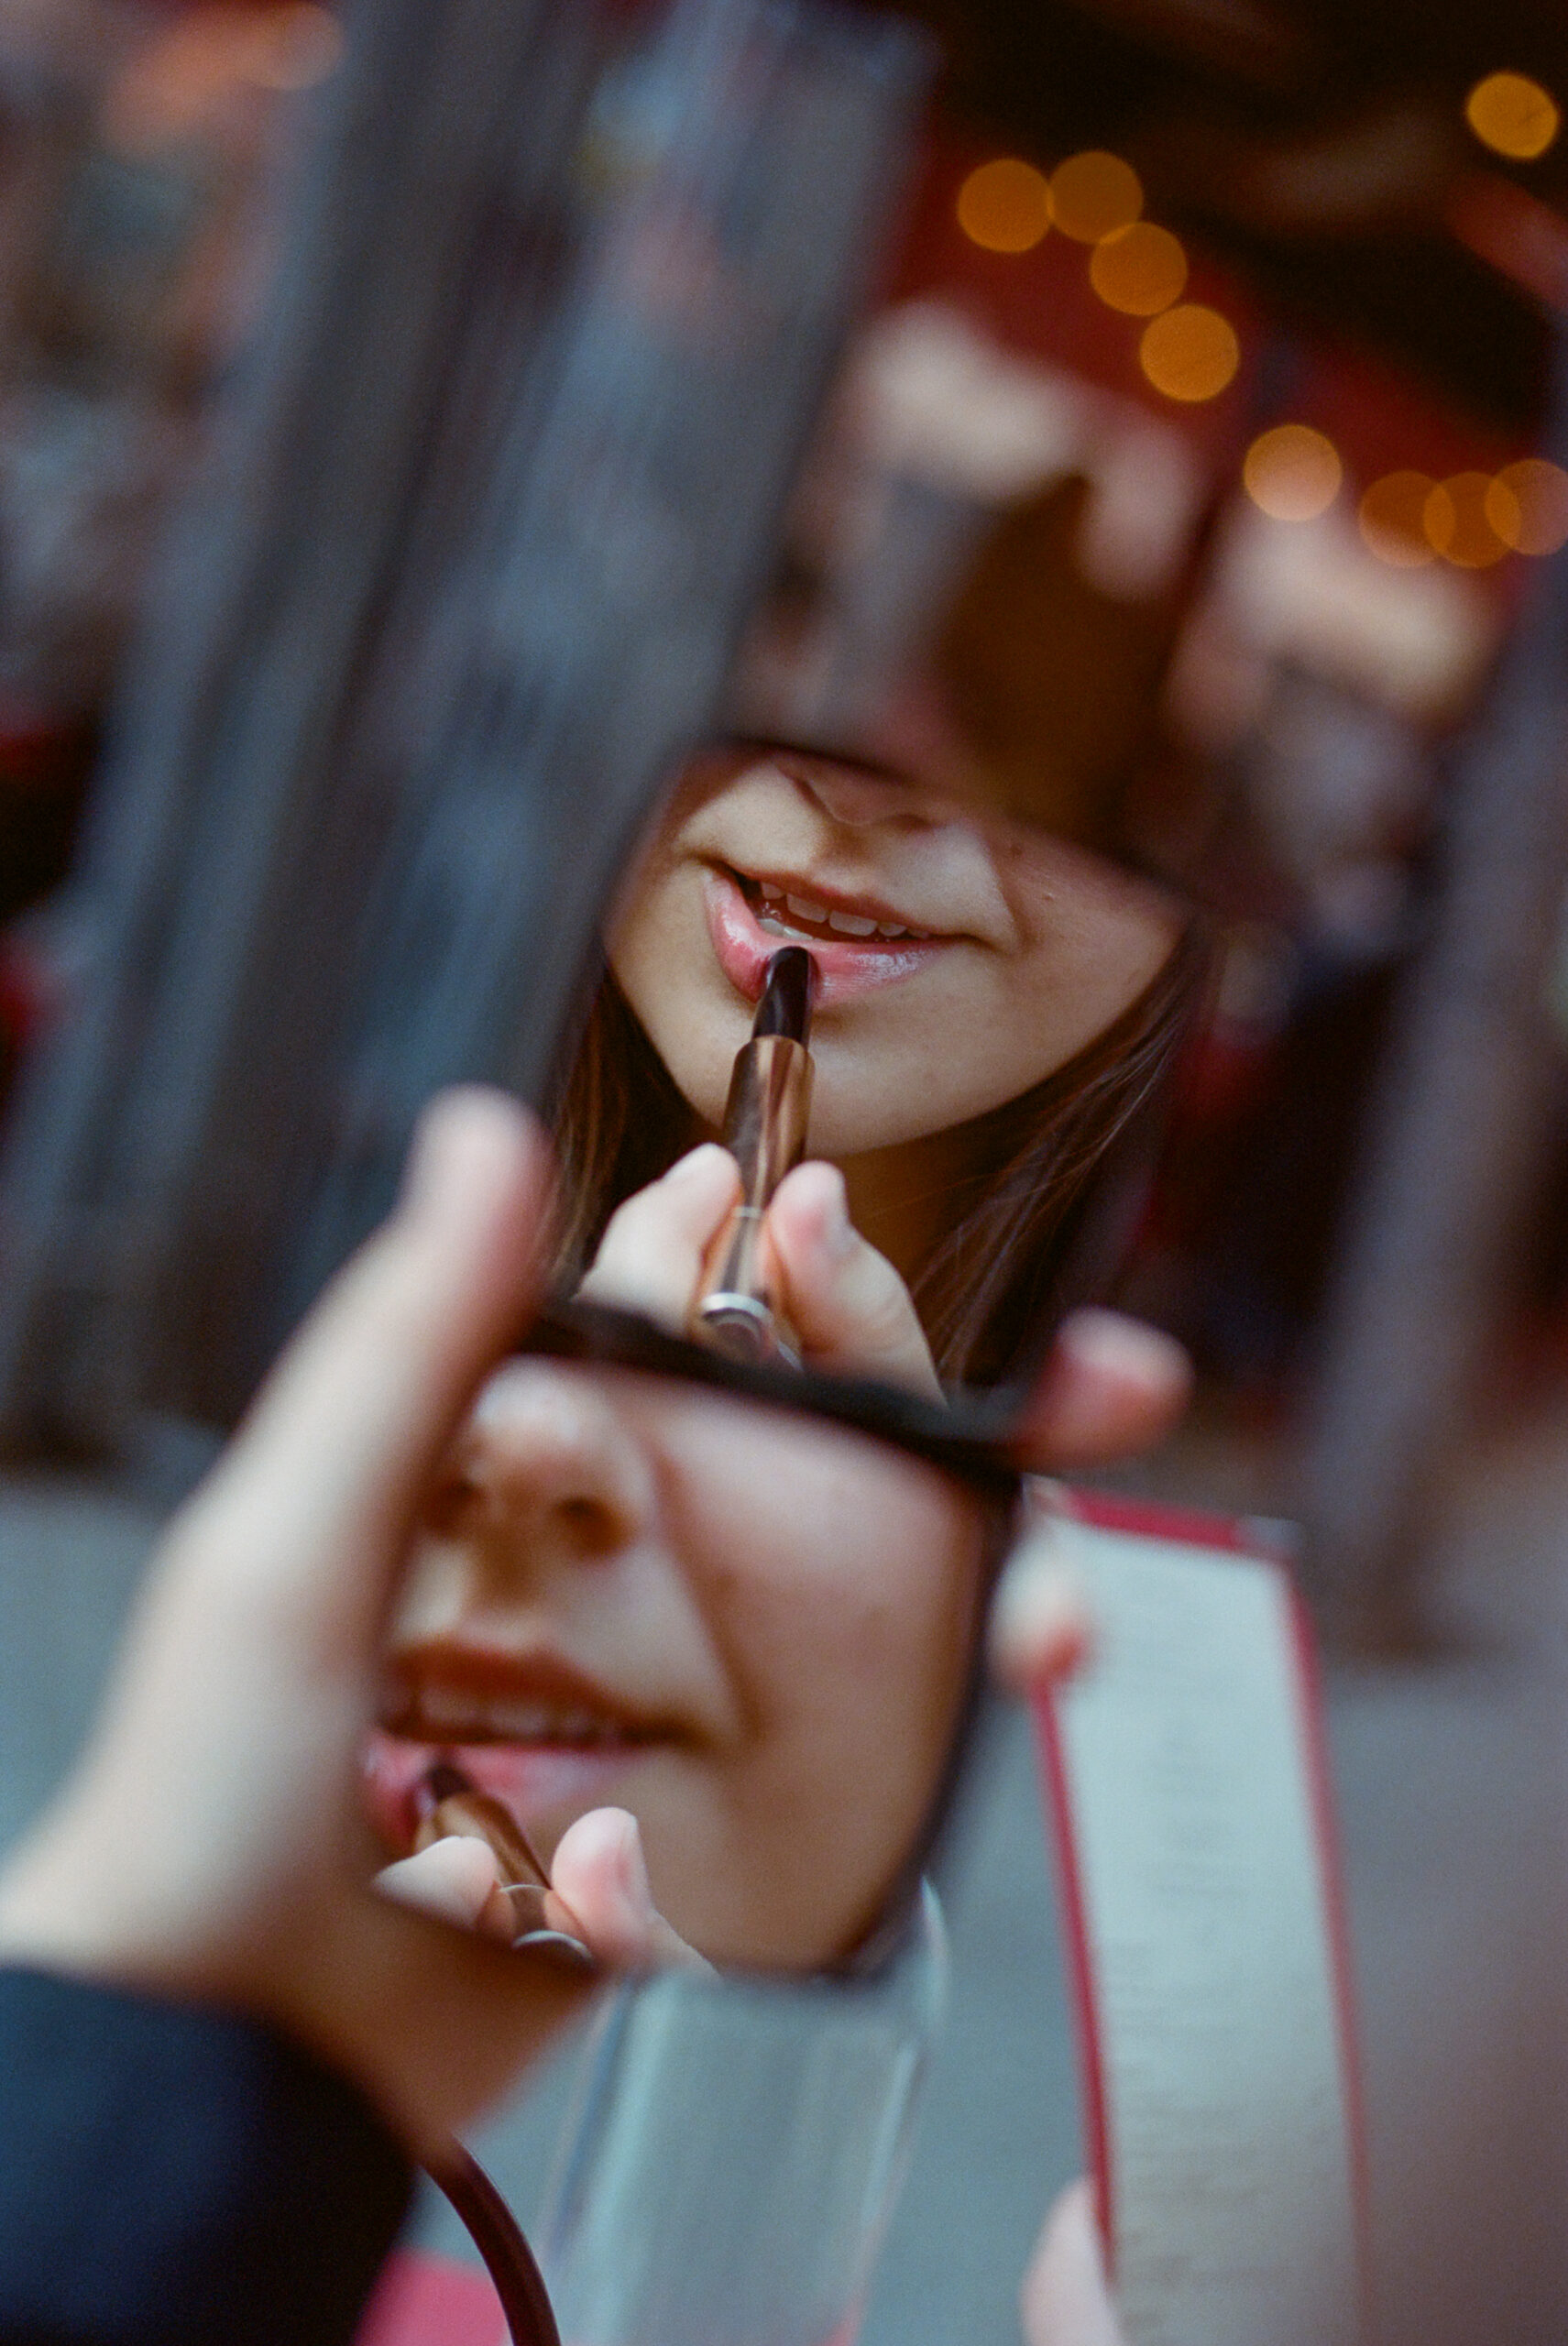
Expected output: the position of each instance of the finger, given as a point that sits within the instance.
(599, 1892)
(1112, 1385)
(1064, 2300)
(652, 1255)
(846, 1302)
(457, 1879)
(312, 1499)
(1041, 1626)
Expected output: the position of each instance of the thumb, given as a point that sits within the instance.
(1065, 2300)
(599, 1893)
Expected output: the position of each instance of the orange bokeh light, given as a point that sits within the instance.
(1392, 517)
(1513, 115)
(1094, 194)
(1005, 206)
(1456, 522)
(1190, 353)
(1139, 270)
(1293, 473)
(1527, 505)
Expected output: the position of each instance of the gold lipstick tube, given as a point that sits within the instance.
(450, 1806)
(765, 1123)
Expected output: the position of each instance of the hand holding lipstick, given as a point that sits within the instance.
(845, 1303)
(210, 1846)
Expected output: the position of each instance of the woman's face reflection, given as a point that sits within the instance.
(751, 1630)
(962, 961)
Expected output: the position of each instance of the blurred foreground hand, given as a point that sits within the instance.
(210, 1844)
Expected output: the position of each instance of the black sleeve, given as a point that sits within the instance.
(171, 2175)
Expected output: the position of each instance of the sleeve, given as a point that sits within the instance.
(174, 2175)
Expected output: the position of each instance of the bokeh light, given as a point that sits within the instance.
(1392, 517)
(1513, 115)
(1293, 473)
(1456, 522)
(1094, 194)
(1527, 505)
(1190, 353)
(1005, 206)
(1139, 270)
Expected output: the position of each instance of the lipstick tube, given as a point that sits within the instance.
(449, 1805)
(765, 1122)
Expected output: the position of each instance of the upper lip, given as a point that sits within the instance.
(860, 905)
(447, 1693)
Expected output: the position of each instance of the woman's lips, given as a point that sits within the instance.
(542, 1786)
(846, 965)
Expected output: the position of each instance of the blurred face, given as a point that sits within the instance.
(749, 1629)
(962, 961)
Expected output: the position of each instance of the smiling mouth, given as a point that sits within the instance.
(803, 920)
(436, 1714)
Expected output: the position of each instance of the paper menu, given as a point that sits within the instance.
(1185, 1776)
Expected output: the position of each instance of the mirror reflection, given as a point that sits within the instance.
(937, 789)
(636, 1593)
(994, 1007)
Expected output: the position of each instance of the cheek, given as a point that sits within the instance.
(663, 963)
(850, 1626)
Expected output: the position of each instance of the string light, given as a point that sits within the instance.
(1454, 518)
(1392, 518)
(1005, 206)
(1293, 473)
(1139, 270)
(1513, 115)
(1527, 505)
(1190, 353)
(1094, 194)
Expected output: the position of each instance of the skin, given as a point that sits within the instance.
(686, 1559)
(1035, 949)
(208, 1845)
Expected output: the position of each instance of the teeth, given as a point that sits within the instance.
(445, 1717)
(891, 929)
(851, 924)
(804, 909)
(772, 928)
(770, 892)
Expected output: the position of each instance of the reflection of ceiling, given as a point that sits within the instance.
(1320, 144)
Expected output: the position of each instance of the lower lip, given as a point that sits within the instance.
(540, 1785)
(845, 967)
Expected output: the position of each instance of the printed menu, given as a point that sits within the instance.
(1189, 1794)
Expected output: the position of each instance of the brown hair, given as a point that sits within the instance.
(1019, 1233)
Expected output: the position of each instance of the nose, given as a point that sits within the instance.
(548, 1463)
(858, 799)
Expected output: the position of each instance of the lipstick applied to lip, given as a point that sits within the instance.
(448, 1804)
(765, 1122)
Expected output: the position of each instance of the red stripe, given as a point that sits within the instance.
(1081, 1969)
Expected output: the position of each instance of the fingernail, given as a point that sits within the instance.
(634, 1868)
(697, 1162)
(1109, 1340)
(837, 1231)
